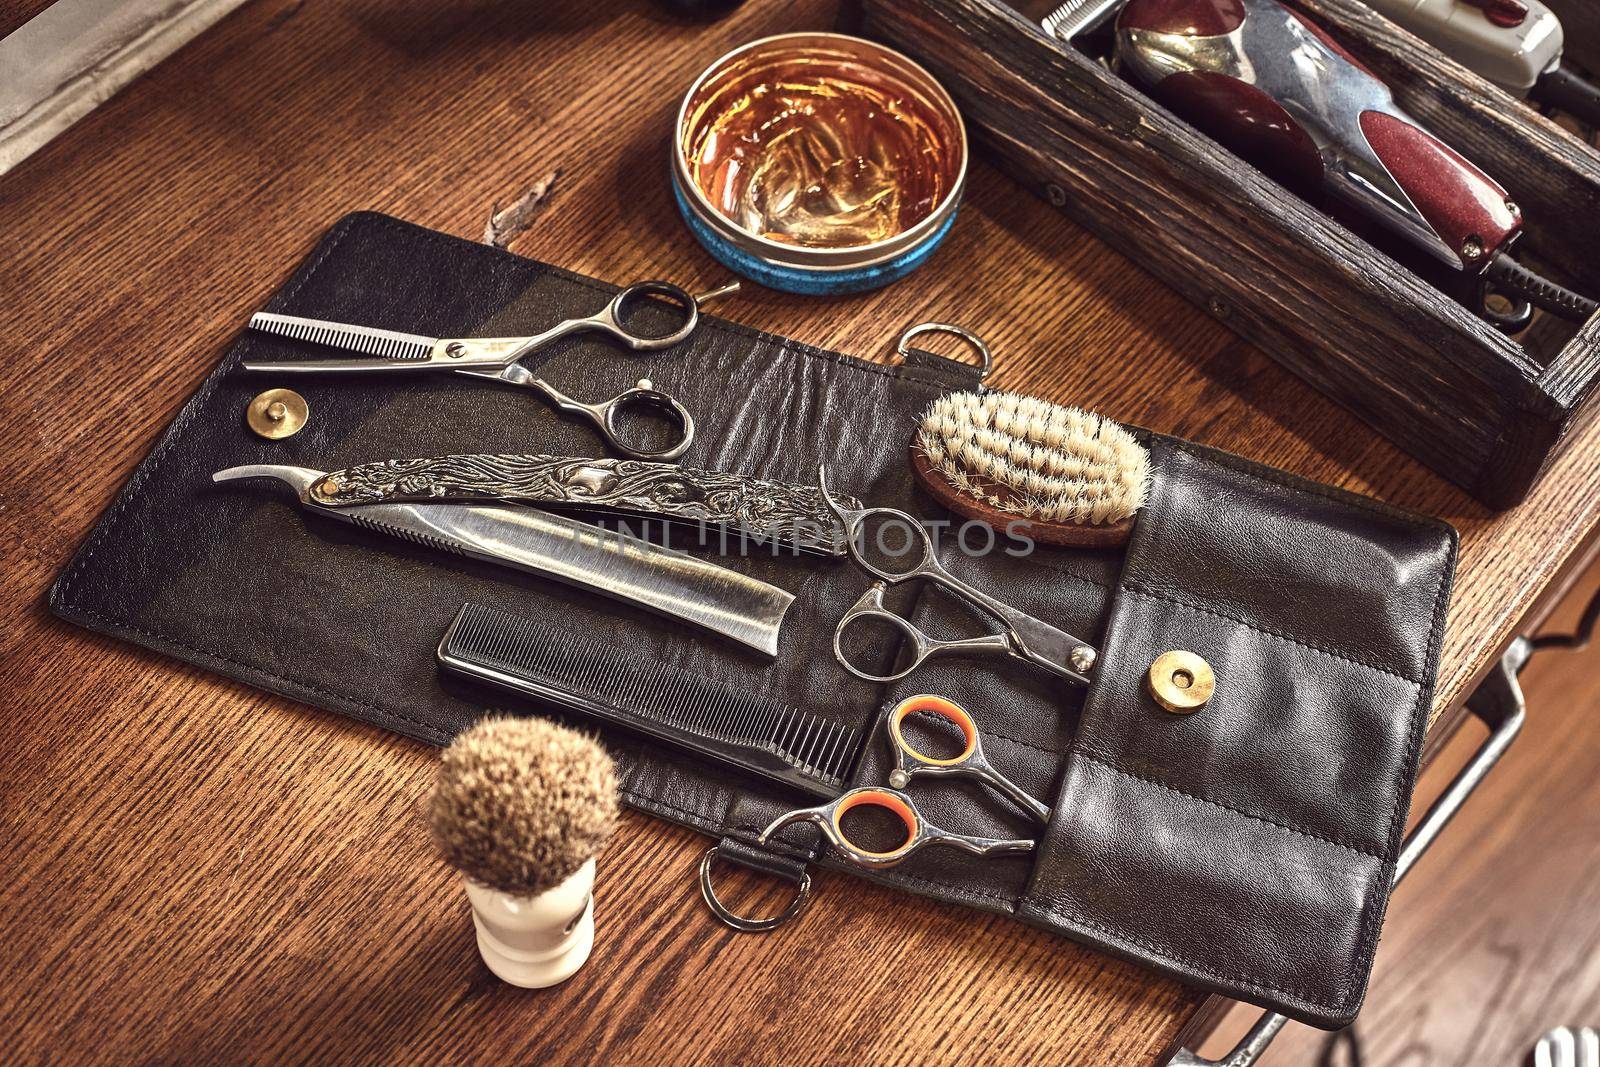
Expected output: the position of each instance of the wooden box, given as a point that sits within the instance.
(1359, 317)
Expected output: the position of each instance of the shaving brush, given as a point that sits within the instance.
(1075, 478)
(522, 808)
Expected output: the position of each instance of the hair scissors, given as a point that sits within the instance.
(1024, 637)
(499, 358)
(909, 763)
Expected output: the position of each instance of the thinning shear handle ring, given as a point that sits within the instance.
(648, 397)
(604, 416)
(613, 317)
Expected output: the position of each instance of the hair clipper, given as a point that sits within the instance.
(1276, 89)
(1517, 44)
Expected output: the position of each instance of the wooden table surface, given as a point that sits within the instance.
(196, 869)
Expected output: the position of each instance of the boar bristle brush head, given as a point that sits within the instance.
(1073, 477)
(521, 804)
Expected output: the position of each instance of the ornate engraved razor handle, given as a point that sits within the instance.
(796, 516)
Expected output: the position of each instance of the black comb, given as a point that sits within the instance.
(755, 734)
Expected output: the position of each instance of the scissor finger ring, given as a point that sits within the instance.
(904, 750)
(604, 416)
(919, 832)
(869, 609)
(614, 315)
(646, 395)
(829, 818)
(970, 761)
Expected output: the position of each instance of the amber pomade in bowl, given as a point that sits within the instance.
(816, 162)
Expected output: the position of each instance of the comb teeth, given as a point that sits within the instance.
(682, 706)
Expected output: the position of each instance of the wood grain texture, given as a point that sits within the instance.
(200, 870)
(1365, 328)
(14, 13)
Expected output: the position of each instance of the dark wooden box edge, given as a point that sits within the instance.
(1498, 420)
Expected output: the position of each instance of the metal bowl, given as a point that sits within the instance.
(820, 268)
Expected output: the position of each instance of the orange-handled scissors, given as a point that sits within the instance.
(909, 763)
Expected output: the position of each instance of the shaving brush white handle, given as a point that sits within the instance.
(536, 941)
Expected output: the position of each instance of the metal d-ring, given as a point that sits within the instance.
(987, 361)
(802, 898)
(1513, 321)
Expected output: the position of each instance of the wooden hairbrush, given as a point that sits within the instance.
(1073, 477)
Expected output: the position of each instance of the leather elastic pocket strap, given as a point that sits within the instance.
(757, 859)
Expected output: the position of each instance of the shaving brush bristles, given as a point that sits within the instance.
(1035, 460)
(521, 804)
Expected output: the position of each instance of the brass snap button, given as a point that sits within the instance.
(1181, 681)
(277, 413)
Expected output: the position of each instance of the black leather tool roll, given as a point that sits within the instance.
(1246, 848)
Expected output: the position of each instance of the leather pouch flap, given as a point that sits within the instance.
(1250, 844)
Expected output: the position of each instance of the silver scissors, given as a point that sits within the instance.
(909, 763)
(499, 358)
(1024, 637)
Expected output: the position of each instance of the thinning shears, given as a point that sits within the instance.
(499, 358)
(1024, 637)
(910, 763)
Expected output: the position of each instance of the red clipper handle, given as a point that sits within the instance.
(1275, 88)
(1470, 211)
